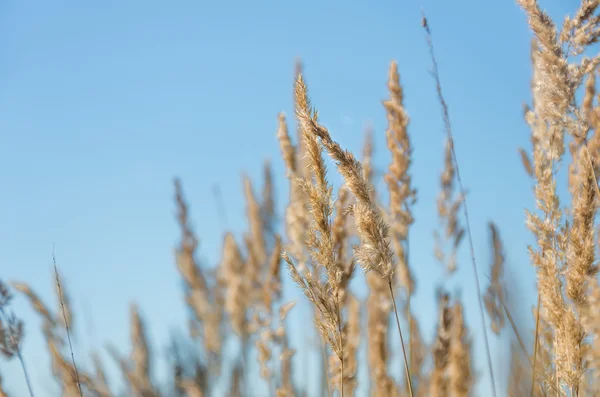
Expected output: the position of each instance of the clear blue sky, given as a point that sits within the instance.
(103, 103)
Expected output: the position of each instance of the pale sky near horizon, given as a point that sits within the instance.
(102, 104)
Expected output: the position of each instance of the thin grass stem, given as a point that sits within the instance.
(448, 128)
(406, 367)
(62, 305)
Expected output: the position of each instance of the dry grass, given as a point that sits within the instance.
(329, 231)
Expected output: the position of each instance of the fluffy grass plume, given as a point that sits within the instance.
(239, 331)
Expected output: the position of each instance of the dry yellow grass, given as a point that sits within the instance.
(329, 232)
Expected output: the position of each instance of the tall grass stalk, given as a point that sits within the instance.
(448, 127)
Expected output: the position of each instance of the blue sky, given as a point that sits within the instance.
(103, 103)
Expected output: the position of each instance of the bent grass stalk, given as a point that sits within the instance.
(448, 128)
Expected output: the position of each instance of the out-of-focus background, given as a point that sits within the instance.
(103, 104)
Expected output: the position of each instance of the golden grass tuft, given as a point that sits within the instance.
(238, 309)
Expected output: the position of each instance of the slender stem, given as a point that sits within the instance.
(589, 156)
(409, 293)
(521, 343)
(515, 330)
(476, 274)
(448, 128)
(325, 376)
(535, 347)
(408, 378)
(25, 373)
(337, 297)
(410, 339)
(19, 356)
(62, 305)
(558, 394)
(342, 377)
